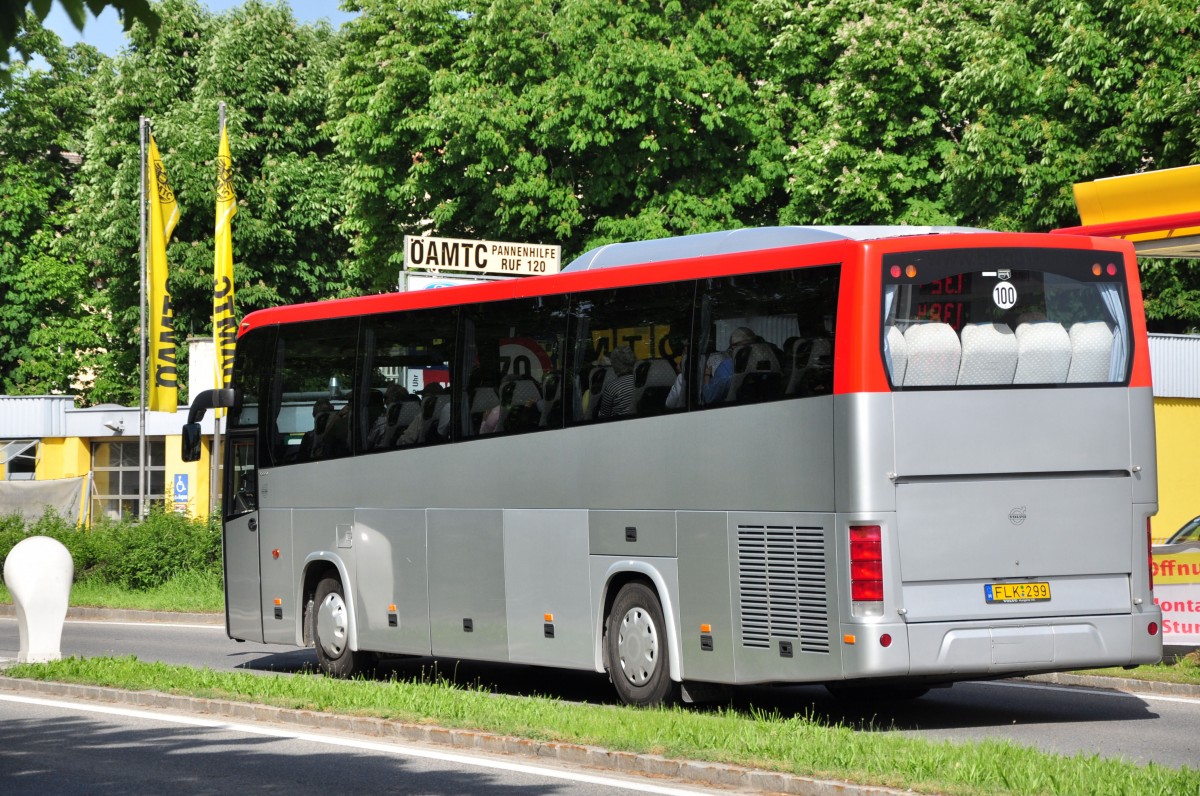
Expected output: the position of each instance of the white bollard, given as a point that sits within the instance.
(38, 573)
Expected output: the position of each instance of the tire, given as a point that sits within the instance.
(331, 626)
(635, 645)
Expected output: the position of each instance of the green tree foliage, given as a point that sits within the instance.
(858, 86)
(43, 116)
(273, 73)
(1066, 92)
(13, 19)
(576, 122)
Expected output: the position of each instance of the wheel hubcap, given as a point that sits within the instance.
(637, 646)
(331, 625)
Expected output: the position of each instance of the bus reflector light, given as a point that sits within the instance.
(547, 617)
(1152, 628)
(885, 640)
(870, 591)
(391, 607)
(275, 553)
(849, 638)
(866, 570)
(278, 601)
(705, 628)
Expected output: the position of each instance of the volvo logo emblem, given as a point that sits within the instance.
(1017, 515)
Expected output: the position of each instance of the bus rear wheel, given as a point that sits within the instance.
(331, 631)
(636, 647)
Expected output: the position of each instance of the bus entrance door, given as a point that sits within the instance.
(243, 611)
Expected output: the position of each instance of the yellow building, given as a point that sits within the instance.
(88, 463)
(1175, 361)
(1159, 212)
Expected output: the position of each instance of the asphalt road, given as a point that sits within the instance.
(1140, 727)
(50, 748)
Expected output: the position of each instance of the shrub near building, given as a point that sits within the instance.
(136, 556)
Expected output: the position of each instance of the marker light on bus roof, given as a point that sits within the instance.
(1096, 269)
(910, 271)
(1112, 270)
(895, 272)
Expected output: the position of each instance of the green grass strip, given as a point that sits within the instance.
(798, 745)
(190, 591)
(1185, 671)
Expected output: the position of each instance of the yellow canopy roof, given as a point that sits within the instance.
(1158, 210)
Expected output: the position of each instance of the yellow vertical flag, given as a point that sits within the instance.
(224, 322)
(164, 213)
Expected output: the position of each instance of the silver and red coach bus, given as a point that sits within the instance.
(886, 457)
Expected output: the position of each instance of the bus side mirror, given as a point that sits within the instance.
(191, 442)
(208, 399)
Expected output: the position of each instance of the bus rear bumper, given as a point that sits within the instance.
(959, 648)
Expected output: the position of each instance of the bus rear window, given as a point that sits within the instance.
(1003, 317)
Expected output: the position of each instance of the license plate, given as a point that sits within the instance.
(1016, 592)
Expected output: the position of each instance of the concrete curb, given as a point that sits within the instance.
(652, 766)
(1125, 685)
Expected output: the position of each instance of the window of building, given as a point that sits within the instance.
(19, 459)
(116, 477)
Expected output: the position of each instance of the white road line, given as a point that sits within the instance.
(1094, 691)
(220, 627)
(144, 624)
(351, 743)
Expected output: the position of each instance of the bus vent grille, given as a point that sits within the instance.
(782, 586)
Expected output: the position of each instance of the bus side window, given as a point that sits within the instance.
(768, 336)
(406, 359)
(646, 329)
(313, 390)
(514, 355)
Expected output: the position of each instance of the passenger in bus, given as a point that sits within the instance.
(677, 397)
(376, 410)
(421, 426)
(335, 442)
(616, 397)
(717, 378)
(490, 423)
(392, 398)
(519, 409)
(551, 407)
(322, 411)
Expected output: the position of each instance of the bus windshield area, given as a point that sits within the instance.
(1005, 317)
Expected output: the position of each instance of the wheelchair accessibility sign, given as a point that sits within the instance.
(181, 492)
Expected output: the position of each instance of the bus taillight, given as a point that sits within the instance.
(866, 569)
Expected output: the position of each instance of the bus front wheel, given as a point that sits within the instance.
(636, 646)
(331, 627)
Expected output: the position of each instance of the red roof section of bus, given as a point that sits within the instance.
(554, 284)
(858, 364)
